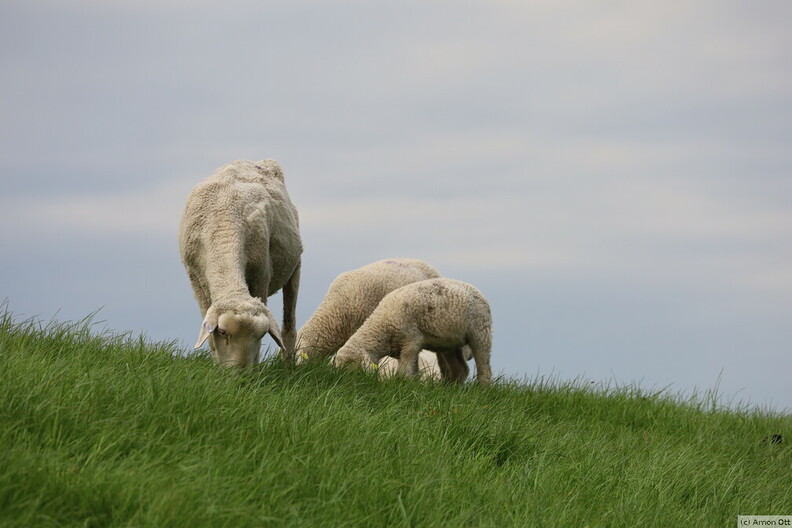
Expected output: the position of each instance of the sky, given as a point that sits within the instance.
(615, 177)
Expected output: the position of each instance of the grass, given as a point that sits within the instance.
(103, 430)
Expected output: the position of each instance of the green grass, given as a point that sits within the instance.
(103, 430)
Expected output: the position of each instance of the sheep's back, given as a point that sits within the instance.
(437, 306)
(248, 201)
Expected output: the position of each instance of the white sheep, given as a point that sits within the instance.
(441, 315)
(351, 298)
(240, 243)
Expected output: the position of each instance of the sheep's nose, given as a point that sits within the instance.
(233, 364)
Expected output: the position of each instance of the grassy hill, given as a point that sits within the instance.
(103, 430)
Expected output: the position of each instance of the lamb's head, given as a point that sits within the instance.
(348, 356)
(235, 330)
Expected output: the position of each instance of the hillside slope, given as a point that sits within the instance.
(101, 430)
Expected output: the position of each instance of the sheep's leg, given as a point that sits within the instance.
(408, 359)
(481, 346)
(445, 368)
(453, 367)
(462, 367)
(288, 330)
(459, 368)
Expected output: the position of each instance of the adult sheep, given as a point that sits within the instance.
(240, 243)
(441, 315)
(351, 298)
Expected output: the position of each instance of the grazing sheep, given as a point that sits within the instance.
(441, 315)
(240, 243)
(351, 298)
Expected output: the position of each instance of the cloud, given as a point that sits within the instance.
(153, 210)
(631, 228)
(507, 203)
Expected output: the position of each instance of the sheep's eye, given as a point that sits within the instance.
(221, 332)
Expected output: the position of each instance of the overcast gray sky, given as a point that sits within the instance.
(614, 176)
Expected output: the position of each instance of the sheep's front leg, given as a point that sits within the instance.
(408, 359)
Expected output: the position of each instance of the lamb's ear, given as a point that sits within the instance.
(203, 334)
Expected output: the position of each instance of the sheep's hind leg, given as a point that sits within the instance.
(445, 369)
(481, 346)
(453, 367)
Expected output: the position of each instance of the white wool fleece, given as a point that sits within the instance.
(351, 298)
(441, 315)
(240, 243)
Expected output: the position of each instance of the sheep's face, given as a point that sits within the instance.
(235, 338)
(346, 357)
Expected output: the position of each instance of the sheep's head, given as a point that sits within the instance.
(235, 334)
(347, 357)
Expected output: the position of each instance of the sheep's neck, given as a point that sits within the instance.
(226, 267)
(374, 337)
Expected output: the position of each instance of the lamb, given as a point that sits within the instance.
(240, 242)
(441, 315)
(351, 298)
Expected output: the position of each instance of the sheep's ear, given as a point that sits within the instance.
(203, 334)
(274, 332)
(272, 328)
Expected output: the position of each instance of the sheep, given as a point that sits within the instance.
(351, 298)
(240, 242)
(441, 315)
